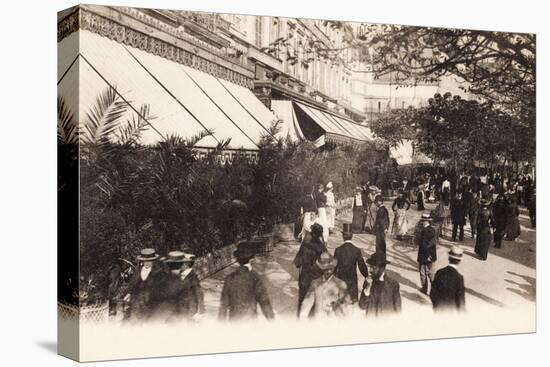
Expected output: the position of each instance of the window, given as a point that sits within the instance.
(258, 32)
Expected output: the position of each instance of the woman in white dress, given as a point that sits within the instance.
(331, 207)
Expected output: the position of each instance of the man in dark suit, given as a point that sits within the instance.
(349, 259)
(458, 216)
(381, 225)
(380, 296)
(448, 291)
(427, 253)
(179, 294)
(243, 290)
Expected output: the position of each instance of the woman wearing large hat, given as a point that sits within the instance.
(306, 258)
(484, 235)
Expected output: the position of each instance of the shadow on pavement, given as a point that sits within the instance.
(527, 291)
(485, 298)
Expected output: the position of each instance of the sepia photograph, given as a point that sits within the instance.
(249, 182)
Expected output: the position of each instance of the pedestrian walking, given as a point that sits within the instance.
(484, 236)
(448, 291)
(331, 207)
(512, 219)
(350, 259)
(473, 211)
(400, 207)
(321, 201)
(359, 211)
(380, 295)
(328, 295)
(243, 290)
(381, 225)
(500, 217)
(372, 192)
(427, 252)
(420, 198)
(141, 285)
(458, 217)
(178, 295)
(305, 260)
(446, 191)
(308, 209)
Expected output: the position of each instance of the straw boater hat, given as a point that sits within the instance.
(179, 257)
(326, 261)
(377, 259)
(426, 217)
(456, 253)
(148, 254)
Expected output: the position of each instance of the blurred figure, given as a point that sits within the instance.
(327, 295)
(484, 236)
(349, 259)
(381, 225)
(427, 252)
(448, 291)
(532, 207)
(331, 207)
(380, 295)
(458, 216)
(243, 290)
(142, 284)
(500, 217)
(512, 219)
(305, 260)
(400, 222)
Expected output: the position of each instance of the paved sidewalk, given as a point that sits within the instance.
(505, 280)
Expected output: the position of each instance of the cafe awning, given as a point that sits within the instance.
(184, 101)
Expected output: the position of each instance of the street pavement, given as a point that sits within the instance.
(506, 280)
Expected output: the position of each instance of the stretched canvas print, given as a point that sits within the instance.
(235, 182)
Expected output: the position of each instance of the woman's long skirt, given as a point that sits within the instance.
(357, 219)
(401, 223)
(483, 242)
(512, 228)
(331, 216)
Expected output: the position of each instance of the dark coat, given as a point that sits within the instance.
(382, 221)
(512, 221)
(458, 211)
(178, 298)
(349, 259)
(427, 250)
(320, 199)
(499, 214)
(141, 292)
(243, 290)
(484, 236)
(309, 204)
(448, 291)
(305, 259)
(384, 298)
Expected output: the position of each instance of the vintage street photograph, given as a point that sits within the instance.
(257, 182)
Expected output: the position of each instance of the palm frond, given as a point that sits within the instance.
(67, 126)
(103, 118)
(130, 134)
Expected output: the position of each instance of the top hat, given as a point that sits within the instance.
(245, 250)
(456, 253)
(346, 228)
(378, 259)
(147, 254)
(179, 257)
(326, 261)
(426, 217)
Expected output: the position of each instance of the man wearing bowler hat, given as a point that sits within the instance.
(448, 286)
(327, 296)
(243, 290)
(381, 295)
(427, 252)
(349, 258)
(141, 285)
